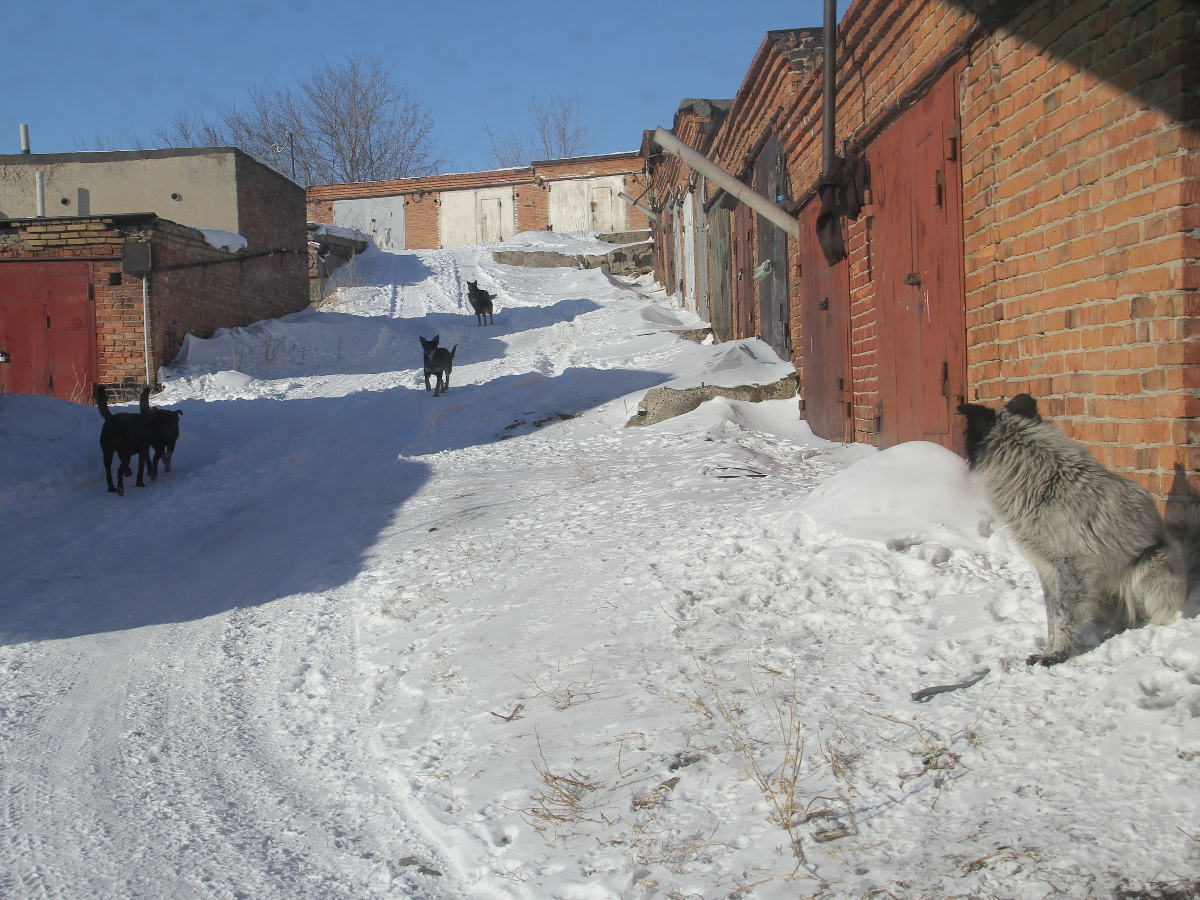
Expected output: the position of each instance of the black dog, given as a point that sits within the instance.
(438, 362)
(123, 434)
(481, 302)
(164, 432)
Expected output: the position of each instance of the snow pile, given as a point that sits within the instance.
(578, 243)
(224, 240)
(362, 642)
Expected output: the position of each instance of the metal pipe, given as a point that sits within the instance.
(24, 138)
(40, 183)
(146, 324)
(764, 206)
(830, 87)
(649, 213)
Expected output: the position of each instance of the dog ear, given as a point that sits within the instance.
(980, 420)
(978, 416)
(1024, 405)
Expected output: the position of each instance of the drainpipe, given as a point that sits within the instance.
(830, 87)
(146, 324)
(40, 182)
(762, 205)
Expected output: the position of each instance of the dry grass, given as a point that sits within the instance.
(561, 693)
(786, 742)
(564, 800)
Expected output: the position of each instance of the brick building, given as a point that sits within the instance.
(1032, 176)
(576, 194)
(107, 293)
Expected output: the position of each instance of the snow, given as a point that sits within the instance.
(362, 642)
(579, 243)
(341, 231)
(224, 240)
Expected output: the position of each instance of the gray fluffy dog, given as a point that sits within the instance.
(1106, 559)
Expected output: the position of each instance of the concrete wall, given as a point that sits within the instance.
(192, 187)
(380, 217)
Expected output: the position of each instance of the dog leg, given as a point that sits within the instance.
(1063, 595)
(122, 469)
(108, 458)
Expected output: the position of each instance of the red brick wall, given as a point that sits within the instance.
(421, 221)
(200, 299)
(195, 300)
(532, 205)
(635, 187)
(529, 184)
(1080, 155)
(1081, 171)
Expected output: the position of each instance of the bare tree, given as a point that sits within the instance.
(188, 130)
(509, 151)
(341, 124)
(557, 132)
(558, 127)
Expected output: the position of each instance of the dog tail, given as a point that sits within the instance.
(102, 401)
(452, 349)
(145, 401)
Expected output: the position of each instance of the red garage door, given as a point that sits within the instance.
(917, 251)
(825, 305)
(48, 329)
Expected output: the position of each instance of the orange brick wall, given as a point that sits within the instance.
(530, 188)
(532, 206)
(421, 220)
(1080, 155)
(1081, 173)
(196, 300)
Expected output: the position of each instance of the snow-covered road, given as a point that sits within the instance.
(363, 642)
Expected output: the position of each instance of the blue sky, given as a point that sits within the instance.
(78, 71)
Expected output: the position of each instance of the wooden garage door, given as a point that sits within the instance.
(743, 271)
(774, 312)
(47, 327)
(721, 263)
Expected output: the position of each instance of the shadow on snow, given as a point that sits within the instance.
(267, 499)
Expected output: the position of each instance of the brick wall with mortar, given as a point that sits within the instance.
(777, 76)
(197, 300)
(529, 184)
(1081, 172)
(694, 122)
(1081, 190)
